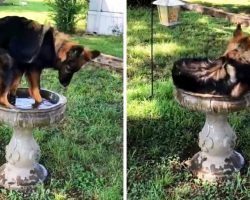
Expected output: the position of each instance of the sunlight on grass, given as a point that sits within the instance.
(111, 45)
(170, 48)
(141, 51)
(143, 109)
(162, 134)
(35, 9)
(40, 17)
(235, 6)
(203, 20)
(138, 26)
(141, 92)
(222, 2)
(39, 11)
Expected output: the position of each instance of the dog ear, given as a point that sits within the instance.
(89, 55)
(238, 30)
(74, 52)
(244, 44)
(95, 54)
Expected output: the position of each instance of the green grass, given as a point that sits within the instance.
(39, 11)
(83, 153)
(35, 9)
(105, 44)
(235, 6)
(161, 134)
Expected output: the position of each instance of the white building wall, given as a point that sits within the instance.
(105, 17)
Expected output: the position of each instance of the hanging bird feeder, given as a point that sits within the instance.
(169, 11)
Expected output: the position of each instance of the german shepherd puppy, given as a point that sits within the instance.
(34, 47)
(227, 75)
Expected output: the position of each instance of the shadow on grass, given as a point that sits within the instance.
(161, 134)
(162, 140)
(197, 36)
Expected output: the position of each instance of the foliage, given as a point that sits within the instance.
(161, 134)
(65, 13)
(135, 3)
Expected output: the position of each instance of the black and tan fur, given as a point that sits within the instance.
(227, 75)
(34, 47)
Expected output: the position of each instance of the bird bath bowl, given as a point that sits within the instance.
(22, 170)
(217, 158)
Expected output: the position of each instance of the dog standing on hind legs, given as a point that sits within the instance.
(32, 47)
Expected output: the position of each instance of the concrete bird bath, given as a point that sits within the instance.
(217, 158)
(22, 170)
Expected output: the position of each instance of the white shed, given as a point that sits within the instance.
(105, 17)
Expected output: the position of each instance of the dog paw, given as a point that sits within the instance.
(6, 104)
(12, 100)
(9, 106)
(36, 104)
(239, 90)
(232, 73)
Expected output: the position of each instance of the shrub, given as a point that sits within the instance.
(136, 3)
(65, 13)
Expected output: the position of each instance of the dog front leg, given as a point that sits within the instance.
(4, 96)
(34, 85)
(239, 90)
(14, 85)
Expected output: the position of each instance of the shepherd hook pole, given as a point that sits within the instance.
(152, 59)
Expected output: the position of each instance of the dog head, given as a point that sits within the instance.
(238, 48)
(74, 59)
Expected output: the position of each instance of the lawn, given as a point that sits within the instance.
(38, 11)
(235, 6)
(161, 134)
(35, 9)
(83, 153)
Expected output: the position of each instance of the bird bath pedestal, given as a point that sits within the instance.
(22, 170)
(217, 158)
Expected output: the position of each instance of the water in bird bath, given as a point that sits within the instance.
(27, 103)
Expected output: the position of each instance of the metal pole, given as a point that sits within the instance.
(152, 51)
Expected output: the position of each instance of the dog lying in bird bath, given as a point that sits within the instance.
(228, 75)
(217, 88)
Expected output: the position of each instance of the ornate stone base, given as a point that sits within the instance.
(217, 159)
(12, 177)
(210, 168)
(22, 169)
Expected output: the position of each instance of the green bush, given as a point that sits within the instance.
(136, 3)
(65, 13)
